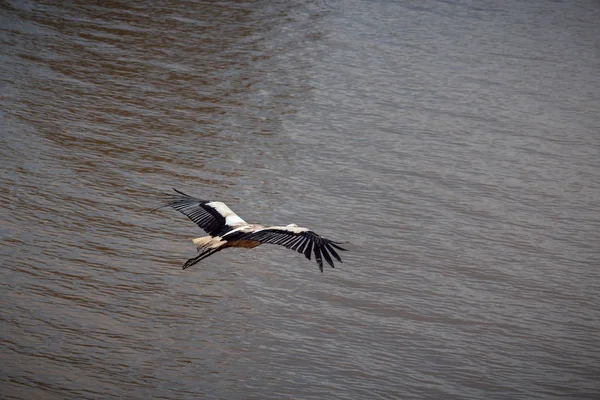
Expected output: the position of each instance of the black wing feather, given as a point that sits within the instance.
(297, 244)
(326, 255)
(308, 250)
(333, 252)
(318, 257)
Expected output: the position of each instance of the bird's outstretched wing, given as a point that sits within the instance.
(296, 238)
(214, 217)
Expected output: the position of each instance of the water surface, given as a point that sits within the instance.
(454, 144)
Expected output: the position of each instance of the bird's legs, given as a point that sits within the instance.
(200, 257)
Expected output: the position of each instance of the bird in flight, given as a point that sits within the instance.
(226, 229)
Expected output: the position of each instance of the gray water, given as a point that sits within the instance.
(454, 144)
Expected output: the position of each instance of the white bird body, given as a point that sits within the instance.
(227, 229)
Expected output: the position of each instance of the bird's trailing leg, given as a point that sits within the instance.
(200, 257)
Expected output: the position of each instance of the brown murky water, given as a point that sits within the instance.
(456, 145)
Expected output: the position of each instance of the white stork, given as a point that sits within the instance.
(227, 229)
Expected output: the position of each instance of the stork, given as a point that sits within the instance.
(226, 229)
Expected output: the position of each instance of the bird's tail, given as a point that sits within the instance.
(208, 242)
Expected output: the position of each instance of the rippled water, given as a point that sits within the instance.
(454, 144)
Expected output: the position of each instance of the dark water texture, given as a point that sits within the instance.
(455, 144)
